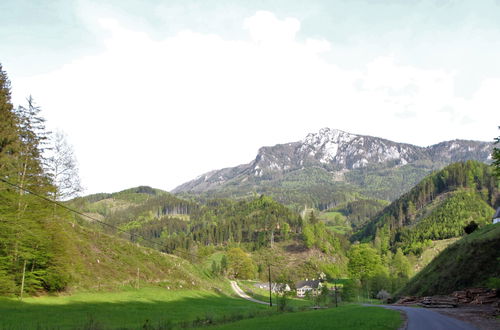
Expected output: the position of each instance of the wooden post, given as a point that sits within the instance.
(22, 281)
(270, 298)
(335, 287)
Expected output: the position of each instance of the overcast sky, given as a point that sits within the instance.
(158, 92)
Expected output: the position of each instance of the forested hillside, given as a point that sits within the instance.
(472, 261)
(437, 208)
(181, 226)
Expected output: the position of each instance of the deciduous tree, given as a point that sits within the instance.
(62, 168)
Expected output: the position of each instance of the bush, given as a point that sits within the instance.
(471, 227)
(283, 302)
(55, 281)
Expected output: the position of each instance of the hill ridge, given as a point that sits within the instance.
(338, 155)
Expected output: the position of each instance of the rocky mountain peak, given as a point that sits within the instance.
(336, 151)
(325, 144)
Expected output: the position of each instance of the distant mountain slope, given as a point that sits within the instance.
(436, 208)
(195, 230)
(469, 262)
(175, 223)
(331, 158)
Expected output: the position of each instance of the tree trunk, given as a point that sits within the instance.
(22, 281)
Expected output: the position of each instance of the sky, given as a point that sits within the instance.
(155, 93)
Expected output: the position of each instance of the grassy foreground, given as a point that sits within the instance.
(154, 308)
(345, 317)
(123, 310)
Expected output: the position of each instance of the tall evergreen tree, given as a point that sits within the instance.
(496, 157)
(34, 139)
(9, 137)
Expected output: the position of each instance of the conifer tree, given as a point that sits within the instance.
(9, 138)
(496, 157)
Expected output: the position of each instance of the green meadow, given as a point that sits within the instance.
(345, 317)
(156, 308)
(129, 309)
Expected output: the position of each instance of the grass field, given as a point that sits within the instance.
(156, 308)
(121, 310)
(346, 317)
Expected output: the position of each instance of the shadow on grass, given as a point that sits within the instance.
(136, 313)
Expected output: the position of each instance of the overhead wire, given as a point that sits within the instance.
(92, 218)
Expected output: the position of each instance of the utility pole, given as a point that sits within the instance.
(335, 287)
(270, 299)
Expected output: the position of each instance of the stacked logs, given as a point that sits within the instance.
(478, 296)
(439, 302)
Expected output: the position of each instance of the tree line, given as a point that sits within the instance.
(32, 159)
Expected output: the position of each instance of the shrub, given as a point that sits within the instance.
(471, 227)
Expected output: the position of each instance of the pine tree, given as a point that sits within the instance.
(9, 137)
(33, 138)
(496, 157)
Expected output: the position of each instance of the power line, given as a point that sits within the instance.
(90, 217)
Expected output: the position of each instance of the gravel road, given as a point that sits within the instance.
(424, 319)
(243, 295)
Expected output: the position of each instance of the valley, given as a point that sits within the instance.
(322, 225)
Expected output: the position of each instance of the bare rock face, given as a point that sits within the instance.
(336, 151)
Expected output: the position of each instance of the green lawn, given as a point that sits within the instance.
(124, 310)
(346, 317)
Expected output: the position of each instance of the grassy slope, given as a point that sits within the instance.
(345, 317)
(128, 309)
(98, 261)
(430, 252)
(468, 262)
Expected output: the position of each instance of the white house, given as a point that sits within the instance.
(308, 285)
(496, 217)
(275, 287)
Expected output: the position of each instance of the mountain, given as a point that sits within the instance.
(469, 262)
(437, 208)
(333, 161)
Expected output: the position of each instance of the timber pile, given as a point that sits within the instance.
(477, 296)
(410, 300)
(439, 302)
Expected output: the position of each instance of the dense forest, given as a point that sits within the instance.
(437, 208)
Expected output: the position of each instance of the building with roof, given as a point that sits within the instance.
(312, 286)
(496, 217)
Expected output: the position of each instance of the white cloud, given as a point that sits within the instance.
(160, 112)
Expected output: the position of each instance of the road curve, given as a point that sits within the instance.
(243, 295)
(425, 319)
